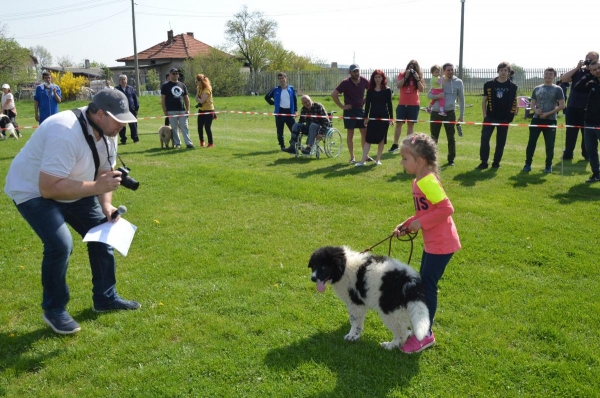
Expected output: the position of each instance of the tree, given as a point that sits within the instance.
(222, 69)
(249, 33)
(93, 64)
(152, 80)
(65, 61)
(15, 61)
(44, 59)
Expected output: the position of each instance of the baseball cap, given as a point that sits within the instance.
(353, 67)
(174, 70)
(6, 86)
(115, 103)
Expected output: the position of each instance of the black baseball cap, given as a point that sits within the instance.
(115, 103)
(174, 70)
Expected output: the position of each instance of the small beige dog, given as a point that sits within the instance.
(165, 134)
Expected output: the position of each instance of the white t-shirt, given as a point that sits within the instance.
(5, 101)
(284, 100)
(57, 148)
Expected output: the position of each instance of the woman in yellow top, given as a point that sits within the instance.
(207, 109)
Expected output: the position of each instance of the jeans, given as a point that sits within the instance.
(281, 121)
(592, 136)
(312, 129)
(435, 129)
(432, 269)
(486, 135)
(574, 117)
(49, 219)
(205, 121)
(181, 121)
(549, 138)
(132, 128)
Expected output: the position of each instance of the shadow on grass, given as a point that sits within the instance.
(579, 193)
(472, 177)
(524, 179)
(570, 168)
(362, 368)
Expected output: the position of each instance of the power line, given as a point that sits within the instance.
(48, 12)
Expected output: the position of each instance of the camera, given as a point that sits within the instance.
(587, 62)
(411, 71)
(127, 181)
(198, 105)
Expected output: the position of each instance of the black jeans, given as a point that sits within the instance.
(132, 129)
(549, 138)
(486, 135)
(281, 121)
(205, 122)
(435, 129)
(575, 117)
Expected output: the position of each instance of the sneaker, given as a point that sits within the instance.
(306, 151)
(211, 145)
(527, 168)
(369, 159)
(393, 148)
(118, 304)
(592, 179)
(358, 164)
(352, 161)
(282, 147)
(176, 146)
(495, 165)
(428, 109)
(451, 163)
(548, 169)
(61, 322)
(482, 166)
(202, 144)
(378, 163)
(413, 345)
(190, 146)
(291, 149)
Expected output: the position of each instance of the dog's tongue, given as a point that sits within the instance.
(321, 287)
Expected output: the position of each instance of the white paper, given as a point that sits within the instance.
(118, 234)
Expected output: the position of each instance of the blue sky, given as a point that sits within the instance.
(530, 33)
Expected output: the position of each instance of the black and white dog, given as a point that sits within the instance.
(363, 281)
(8, 129)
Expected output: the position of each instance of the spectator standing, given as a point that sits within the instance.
(453, 90)
(207, 109)
(9, 108)
(575, 114)
(46, 98)
(134, 107)
(286, 104)
(499, 105)
(353, 88)
(590, 84)
(108, 85)
(546, 100)
(55, 182)
(410, 84)
(176, 103)
(378, 105)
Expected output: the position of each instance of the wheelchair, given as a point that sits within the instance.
(330, 143)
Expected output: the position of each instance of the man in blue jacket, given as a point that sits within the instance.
(46, 98)
(134, 106)
(284, 99)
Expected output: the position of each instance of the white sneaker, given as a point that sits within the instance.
(378, 163)
(357, 164)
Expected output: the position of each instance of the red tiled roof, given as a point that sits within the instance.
(182, 46)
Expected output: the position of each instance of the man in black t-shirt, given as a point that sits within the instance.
(499, 105)
(176, 103)
(575, 114)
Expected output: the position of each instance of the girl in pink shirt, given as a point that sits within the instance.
(433, 216)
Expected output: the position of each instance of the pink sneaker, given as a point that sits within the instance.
(413, 345)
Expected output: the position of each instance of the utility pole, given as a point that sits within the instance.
(135, 54)
(462, 32)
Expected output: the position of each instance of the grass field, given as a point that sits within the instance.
(219, 263)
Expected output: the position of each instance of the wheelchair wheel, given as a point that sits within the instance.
(333, 143)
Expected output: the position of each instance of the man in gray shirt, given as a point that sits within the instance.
(453, 89)
(547, 100)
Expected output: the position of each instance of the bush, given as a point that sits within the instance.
(152, 80)
(69, 84)
(223, 70)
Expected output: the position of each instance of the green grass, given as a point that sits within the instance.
(219, 263)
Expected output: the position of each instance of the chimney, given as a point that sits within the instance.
(170, 36)
(191, 34)
(86, 64)
(334, 65)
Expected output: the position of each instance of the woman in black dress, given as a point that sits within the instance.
(378, 105)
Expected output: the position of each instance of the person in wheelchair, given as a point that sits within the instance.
(315, 127)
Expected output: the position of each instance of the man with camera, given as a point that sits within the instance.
(589, 86)
(575, 113)
(65, 175)
(46, 98)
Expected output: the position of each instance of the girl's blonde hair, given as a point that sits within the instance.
(423, 146)
(202, 82)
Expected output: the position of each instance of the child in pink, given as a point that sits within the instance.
(433, 216)
(437, 87)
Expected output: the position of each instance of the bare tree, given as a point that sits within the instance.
(65, 61)
(249, 33)
(44, 58)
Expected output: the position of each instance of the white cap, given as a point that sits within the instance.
(5, 86)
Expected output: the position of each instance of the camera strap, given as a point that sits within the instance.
(89, 139)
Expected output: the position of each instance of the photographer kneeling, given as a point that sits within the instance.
(314, 126)
(64, 175)
(590, 83)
